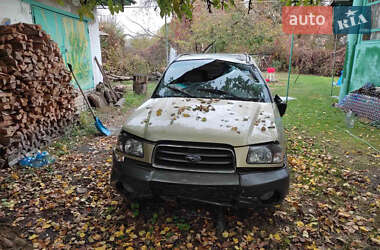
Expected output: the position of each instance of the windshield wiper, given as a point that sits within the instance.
(219, 91)
(178, 90)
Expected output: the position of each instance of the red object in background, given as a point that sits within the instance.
(267, 80)
(271, 70)
(307, 19)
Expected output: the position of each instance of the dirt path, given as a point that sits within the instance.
(70, 204)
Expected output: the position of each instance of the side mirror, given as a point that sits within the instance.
(280, 105)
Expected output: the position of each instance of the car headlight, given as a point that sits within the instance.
(130, 145)
(269, 153)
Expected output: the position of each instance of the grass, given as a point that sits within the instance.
(85, 128)
(133, 100)
(312, 113)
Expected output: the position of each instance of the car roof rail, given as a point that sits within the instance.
(248, 58)
(184, 54)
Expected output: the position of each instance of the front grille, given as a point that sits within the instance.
(197, 158)
(219, 194)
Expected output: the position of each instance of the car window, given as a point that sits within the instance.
(212, 79)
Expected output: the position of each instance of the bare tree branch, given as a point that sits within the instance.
(147, 31)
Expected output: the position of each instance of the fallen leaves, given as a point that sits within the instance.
(72, 205)
(376, 240)
(277, 237)
(194, 108)
(300, 224)
(235, 129)
(33, 236)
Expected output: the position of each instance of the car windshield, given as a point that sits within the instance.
(212, 79)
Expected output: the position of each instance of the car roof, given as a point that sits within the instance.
(237, 58)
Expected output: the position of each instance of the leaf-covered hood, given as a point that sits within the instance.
(237, 123)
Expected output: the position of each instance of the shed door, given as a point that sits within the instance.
(72, 37)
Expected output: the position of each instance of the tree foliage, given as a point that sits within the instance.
(113, 45)
(122, 56)
(87, 6)
(232, 30)
(178, 8)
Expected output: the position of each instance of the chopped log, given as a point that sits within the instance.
(121, 88)
(8, 131)
(117, 78)
(108, 96)
(140, 84)
(105, 78)
(96, 100)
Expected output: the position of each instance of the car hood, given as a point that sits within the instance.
(237, 123)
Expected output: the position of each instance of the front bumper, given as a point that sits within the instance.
(245, 189)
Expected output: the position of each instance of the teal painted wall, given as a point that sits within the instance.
(362, 62)
(366, 65)
(72, 37)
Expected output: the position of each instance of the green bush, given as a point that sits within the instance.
(135, 64)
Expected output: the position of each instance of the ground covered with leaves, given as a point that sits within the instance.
(70, 205)
(333, 202)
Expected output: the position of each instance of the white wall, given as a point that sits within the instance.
(19, 11)
(16, 10)
(93, 27)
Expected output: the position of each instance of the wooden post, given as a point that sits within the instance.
(140, 84)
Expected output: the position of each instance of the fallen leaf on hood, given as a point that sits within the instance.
(159, 112)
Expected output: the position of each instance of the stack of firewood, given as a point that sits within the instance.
(36, 97)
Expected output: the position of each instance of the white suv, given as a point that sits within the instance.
(211, 132)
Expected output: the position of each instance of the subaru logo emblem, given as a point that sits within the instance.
(193, 157)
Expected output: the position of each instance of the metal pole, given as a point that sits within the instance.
(290, 67)
(333, 67)
(167, 41)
